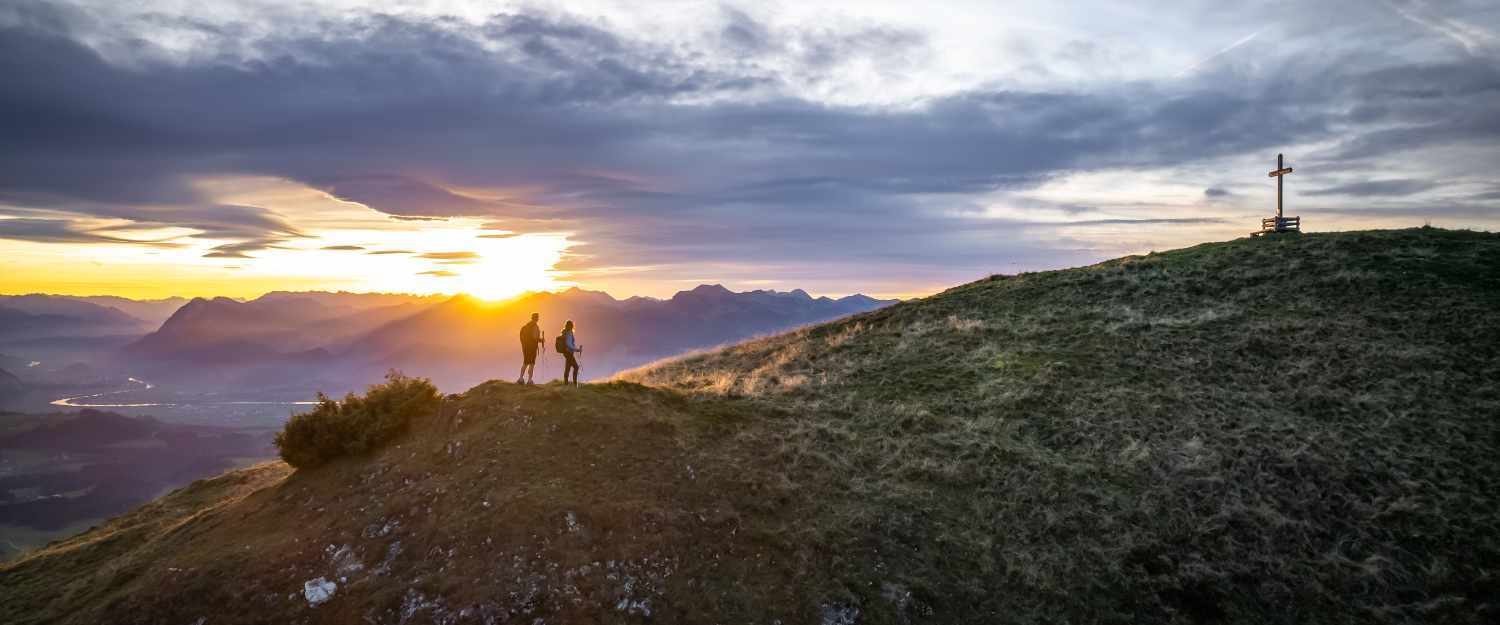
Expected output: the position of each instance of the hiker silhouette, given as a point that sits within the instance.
(569, 348)
(531, 341)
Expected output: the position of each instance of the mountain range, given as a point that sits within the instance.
(38, 316)
(340, 341)
(344, 339)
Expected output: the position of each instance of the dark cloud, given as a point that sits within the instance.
(346, 248)
(1369, 188)
(744, 33)
(407, 197)
(62, 231)
(648, 153)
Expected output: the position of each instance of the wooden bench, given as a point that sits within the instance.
(1270, 225)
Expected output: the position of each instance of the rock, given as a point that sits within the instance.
(344, 561)
(317, 591)
(838, 614)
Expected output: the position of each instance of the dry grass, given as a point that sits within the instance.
(1293, 429)
(513, 504)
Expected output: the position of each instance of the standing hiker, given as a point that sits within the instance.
(531, 340)
(567, 346)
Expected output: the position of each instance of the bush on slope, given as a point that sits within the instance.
(358, 424)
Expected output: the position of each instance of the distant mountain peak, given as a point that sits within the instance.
(705, 290)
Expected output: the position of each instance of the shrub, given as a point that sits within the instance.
(357, 424)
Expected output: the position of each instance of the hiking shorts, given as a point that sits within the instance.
(528, 354)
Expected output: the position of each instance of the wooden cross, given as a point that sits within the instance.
(1279, 174)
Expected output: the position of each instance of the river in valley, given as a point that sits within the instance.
(269, 408)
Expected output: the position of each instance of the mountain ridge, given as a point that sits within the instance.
(463, 333)
(35, 316)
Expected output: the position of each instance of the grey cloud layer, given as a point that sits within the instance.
(649, 153)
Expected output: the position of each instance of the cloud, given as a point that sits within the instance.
(449, 255)
(1473, 39)
(438, 273)
(1223, 51)
(1377, 188)
(346, 248)
(1121, 222)
(63, 231)
(406, 197)
(383, 252)
(675, 153)
(242, 249)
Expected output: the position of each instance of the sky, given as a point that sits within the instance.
(205, 147)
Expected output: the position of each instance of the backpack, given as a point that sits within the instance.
(561, 344)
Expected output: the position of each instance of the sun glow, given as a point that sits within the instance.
(331, 245)
(508, 267)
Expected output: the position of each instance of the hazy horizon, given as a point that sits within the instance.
(444, 295)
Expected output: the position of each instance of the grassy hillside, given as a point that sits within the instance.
(1291, 429)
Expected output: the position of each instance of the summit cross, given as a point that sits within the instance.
(1279, 174)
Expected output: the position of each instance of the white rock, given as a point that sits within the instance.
(317, 591)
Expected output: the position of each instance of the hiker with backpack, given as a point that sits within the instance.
(567, 346)
(531, 341)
